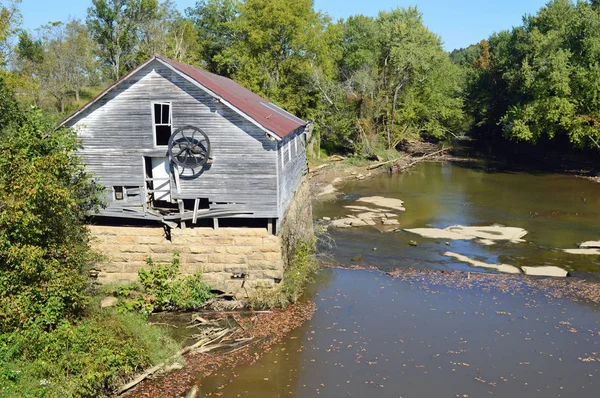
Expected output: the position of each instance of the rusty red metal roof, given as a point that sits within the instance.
(258, 109)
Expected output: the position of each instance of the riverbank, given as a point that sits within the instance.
(327, 177)
(265, 328)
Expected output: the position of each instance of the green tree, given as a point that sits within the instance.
(542, 79)
(115, 26)
(277, 48)
(10, 18)
(214, 24)
(45, 194)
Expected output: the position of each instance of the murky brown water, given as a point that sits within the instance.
(559, 211)
(379, 337)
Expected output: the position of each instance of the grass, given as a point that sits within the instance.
(88, 358)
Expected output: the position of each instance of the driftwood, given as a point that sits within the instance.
(392, 162)
(199, 347)
(320, 167)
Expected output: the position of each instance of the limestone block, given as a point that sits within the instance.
(160, 249)
(254, 241)
(103, 231)
(275, 248)
(152, 240)
(134, 248)
(127, 239)
(245, 232)
(236, 269)
(226, 259)
(208, 268)
(264, 265)
(271, 240)
(201, 249)
(194, 258)
(239, 249)
(266, 256)
(111, 268)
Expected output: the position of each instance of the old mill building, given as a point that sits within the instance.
(181, 149)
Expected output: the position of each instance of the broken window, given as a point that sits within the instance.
(162, 122)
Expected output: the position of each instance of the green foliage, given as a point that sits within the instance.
(163, 288)
(395, 82)
(9, 110)
(45, 194)
(277, 44)
(83, 359)
(542, 79)
(213, 22)
(301, 270)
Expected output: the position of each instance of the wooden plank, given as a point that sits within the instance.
(196, 205)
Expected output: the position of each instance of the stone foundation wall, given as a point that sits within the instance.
(222, 255)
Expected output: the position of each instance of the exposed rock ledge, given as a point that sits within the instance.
(487, 235)
(510, 269)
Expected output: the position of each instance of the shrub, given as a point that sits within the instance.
(163, 288)
(45, 195)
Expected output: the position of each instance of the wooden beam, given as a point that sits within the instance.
(196, 205)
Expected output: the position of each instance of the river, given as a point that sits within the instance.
(373, 335)
(558, 211)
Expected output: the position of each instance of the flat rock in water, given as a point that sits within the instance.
(358, 223)
(327, 190)
(590, 245)
(436, 233)
(493, 232)
(545, 271)
(505, 268)
(391, 222)
(362, 209)
(380, 201)
(589, 252)
(485, 235)
(369, 215)
(342, 223)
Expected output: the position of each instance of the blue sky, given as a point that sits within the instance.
(458, 22)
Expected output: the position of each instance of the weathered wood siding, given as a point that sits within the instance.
(117, 132)
(291, 161)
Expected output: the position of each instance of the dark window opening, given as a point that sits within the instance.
(188, 204)
(118, 193)
(162, 123)
(162, 135)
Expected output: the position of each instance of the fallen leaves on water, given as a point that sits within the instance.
(267, 328)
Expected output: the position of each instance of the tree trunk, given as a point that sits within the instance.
(77, 96)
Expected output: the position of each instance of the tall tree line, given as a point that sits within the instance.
(539, 83)
(368, 82)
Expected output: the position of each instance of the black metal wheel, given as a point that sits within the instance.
(189, 147)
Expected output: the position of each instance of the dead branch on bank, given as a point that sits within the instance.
(392, 163)
(211, 340)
